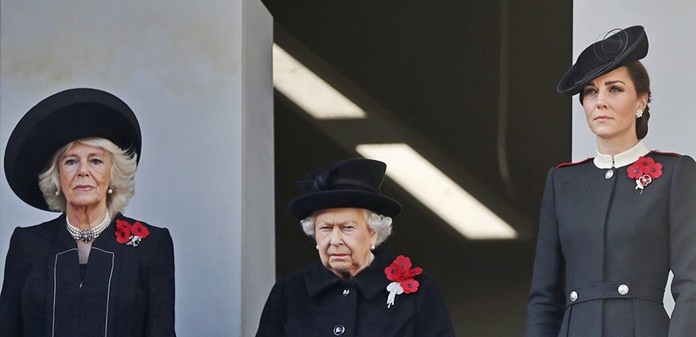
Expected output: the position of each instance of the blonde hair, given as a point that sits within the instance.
(122, 183)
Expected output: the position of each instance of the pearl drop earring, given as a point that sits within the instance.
(639, 113)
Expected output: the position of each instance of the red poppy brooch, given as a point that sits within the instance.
(644, 171)
(401, 274)
(130, 234)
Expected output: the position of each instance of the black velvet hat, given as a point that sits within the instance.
(352, 183)
(618, 49)
(57, 120)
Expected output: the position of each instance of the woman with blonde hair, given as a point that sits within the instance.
(91, 271)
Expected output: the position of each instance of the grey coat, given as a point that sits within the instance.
(605, 249)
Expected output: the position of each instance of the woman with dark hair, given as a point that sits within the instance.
(356, 288)
(613, 226)
(91, 271)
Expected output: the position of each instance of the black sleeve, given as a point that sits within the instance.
(274, 315)
(11, 296)
(160, 289)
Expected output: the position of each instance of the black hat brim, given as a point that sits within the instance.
(633, 47)
(307, 204)
(58, 120)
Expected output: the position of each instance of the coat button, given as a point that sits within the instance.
(339, 330)
(623, 289)
(345, 292)
(609, 174)
(573, 296)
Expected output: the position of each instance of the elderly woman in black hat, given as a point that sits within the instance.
(91, 271)
(613, 226)
(356, 288)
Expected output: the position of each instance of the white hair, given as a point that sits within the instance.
(378, 223)
(122, 183)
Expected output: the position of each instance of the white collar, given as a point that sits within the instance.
(605, 161)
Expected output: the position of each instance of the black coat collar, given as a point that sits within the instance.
(371, 281)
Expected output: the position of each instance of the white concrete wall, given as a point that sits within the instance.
(670, 62)
(198, 76)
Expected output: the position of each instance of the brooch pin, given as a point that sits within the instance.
(644, 171)
(129, 234)
(401, 274)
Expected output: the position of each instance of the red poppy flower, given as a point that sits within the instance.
(649, 166)
(635, 171)
(401, 274)
(140, 230)
(130, 234)
(399, 269)
(645, 161)
(403, 261)
(414, 272)
(654, 171)
(410, 286)
(123, 225)
(644, 171)
(393, 272)
(122, 235)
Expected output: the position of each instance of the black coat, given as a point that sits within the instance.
(126, 291)
(605, 250)
(314, 302)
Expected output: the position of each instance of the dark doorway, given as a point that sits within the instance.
(472, 85)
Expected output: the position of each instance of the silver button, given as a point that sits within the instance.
(623, 289)
(339, 330)
(345, 292)
(573, 296)
(609, 174)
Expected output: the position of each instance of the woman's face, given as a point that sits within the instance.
(85, 174)
(610, 102)
(344, 240)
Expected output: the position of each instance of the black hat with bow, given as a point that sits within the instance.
(622, 47)
(352, 183)
(58, 120)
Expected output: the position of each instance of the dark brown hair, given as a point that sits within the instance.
(641, 81)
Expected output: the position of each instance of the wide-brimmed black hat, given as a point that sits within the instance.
(622, 47)
(352, 183)
(57, 120)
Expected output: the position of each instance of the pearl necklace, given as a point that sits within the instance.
(87, 235)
